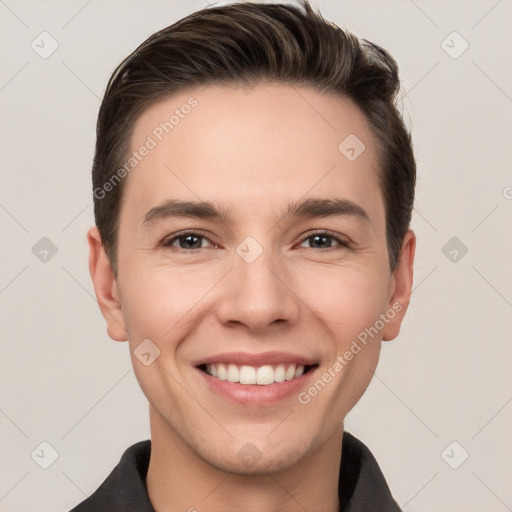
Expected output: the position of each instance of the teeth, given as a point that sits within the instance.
(265, 375)
(249, 375)
(233, 373)
(221, 372)
(280, 373)
(290, 373)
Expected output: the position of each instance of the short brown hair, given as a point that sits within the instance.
(244, 44)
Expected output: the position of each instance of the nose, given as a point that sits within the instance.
(258, 295)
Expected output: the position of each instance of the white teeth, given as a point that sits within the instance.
(290, 373)
(265, 375)
(233, 374)
(280, 373)
(249, 375)
(221, 371)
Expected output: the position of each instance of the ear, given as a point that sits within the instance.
(401, 287)
(105, 286)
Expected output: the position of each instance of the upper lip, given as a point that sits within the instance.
(264, 358)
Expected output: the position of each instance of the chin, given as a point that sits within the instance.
(259, 457)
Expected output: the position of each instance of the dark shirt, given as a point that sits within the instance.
(362, 487)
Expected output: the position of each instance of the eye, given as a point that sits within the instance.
(324, 240)
(188, 241)
(191, 241)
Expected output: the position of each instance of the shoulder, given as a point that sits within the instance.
(124, 488)
(362, 486)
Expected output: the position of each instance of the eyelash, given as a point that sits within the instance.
(167, 243)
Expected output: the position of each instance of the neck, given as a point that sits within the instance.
(178, 479)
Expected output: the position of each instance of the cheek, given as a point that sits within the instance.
(346, 300)
(159, 302)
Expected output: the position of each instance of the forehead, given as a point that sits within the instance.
(238, 145)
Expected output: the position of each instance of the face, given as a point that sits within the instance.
(252, 255)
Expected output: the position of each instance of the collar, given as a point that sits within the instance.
(362, 487)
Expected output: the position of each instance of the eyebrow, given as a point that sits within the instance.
(309, 208)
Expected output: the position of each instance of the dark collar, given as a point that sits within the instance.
(362, 487)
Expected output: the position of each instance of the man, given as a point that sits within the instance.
(253, 186)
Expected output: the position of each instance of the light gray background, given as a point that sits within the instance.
(446, 378)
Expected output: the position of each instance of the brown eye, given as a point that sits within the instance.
(187, 241)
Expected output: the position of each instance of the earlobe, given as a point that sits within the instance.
(105, 286)
(402, 280)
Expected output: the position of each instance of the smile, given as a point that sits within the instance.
(255, 375)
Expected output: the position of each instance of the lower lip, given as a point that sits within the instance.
(256, 395)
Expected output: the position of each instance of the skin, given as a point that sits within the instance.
(251, 150)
